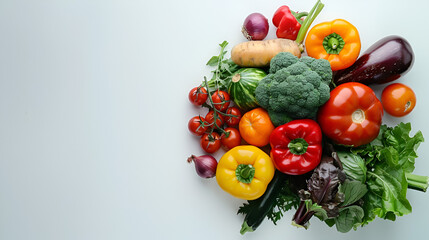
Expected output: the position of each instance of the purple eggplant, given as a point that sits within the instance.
(385, 61)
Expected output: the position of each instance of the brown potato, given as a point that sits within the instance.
(260, 53)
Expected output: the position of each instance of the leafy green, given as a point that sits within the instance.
(318, 210)
(322, 193)
(349, 217)
(224, 68)
(353, 191)
(353, 166)
(386, 197)
(389, 163)
(398, 137)
(284, 202)
(393, 145)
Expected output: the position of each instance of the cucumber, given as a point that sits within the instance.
(265, 203)
(242, 85)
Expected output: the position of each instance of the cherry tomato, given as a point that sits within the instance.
(197, 125)
(233, 121)
(233, 139)
(220, 100)
(198, 96)
(210, 142)
(210, 119)
(352, 115)
(398, 99)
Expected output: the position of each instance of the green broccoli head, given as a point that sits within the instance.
(295, 86)
(320, 66)
(279, 118)
(282, 60)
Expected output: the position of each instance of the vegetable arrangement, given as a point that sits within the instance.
(301, 126)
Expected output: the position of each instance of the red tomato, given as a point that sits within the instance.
(220, 100)
(352, 116)
(233, 121)
(398, 99)
(233, 139)
(210, 142)
(197, 125)
(210, 119)
(198, 96)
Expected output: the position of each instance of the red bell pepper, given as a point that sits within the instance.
(287, 22)
(296, 147)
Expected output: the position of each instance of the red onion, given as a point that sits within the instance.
(205, 165)
(255, 27)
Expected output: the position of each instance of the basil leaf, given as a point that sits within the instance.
(353, 166)
(349, 217)
(353, 191)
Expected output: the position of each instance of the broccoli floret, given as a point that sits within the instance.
(295, 87)
(320, 67)
(281, 61)
(279, 118)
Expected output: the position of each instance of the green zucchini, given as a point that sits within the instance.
(242, 85)
(264, 204)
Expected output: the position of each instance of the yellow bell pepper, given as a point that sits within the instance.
(245, 172)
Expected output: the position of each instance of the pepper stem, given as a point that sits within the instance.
(245, 173)
(298, 146)
(333, 43)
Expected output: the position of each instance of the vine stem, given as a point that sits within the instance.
(216, 112)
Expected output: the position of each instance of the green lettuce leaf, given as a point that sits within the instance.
(389, 159)
(386, 197)
(399, 138)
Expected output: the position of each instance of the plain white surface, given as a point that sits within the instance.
(94, 111)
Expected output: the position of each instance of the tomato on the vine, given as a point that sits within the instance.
(352, 115)
(233, 121)
(221, 100)
(197, 125)
(210, 120)
(233, 139)
(398, 99)
(210, 142)
(198, 95)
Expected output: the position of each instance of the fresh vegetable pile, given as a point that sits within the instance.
(301, 126)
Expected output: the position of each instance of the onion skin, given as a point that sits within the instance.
(255, 27)
(385, 61)
(205, 165)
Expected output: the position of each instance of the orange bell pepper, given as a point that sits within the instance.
(337, 41)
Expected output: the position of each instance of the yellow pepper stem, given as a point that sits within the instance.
(245, 173)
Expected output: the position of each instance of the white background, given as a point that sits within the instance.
(94, 111)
